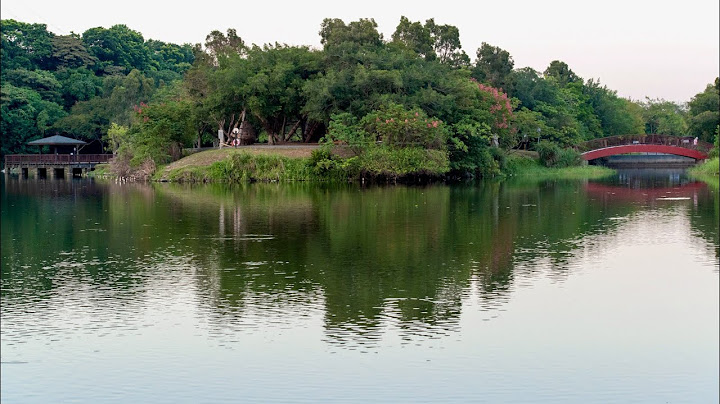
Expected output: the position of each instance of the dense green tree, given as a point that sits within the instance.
(88, 120)
(219, 47)
(432, 41)
(664, 117)
(561, 73)
(416, 37)
(363, 32)
(446, 44)
(530, 88)
(125, 92)
(25, 46)
(78, 84)
(618, 116)
(159, 132)
(70, 52)
(117, 48)
(25, 116)
(168, 56)
(704, 113)
(42, 81)
(493, 66)
(274, 90)
(530, 125)
(81, 86)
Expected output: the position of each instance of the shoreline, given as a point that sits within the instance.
(291, 164)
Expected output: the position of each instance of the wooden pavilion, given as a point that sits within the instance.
(65, 160)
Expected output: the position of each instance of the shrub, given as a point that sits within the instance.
(548, 153)
(568, 158)
(551, 155)
(385, 161)
(397, 127)
(243, 167)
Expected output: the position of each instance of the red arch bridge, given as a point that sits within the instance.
(626, 144)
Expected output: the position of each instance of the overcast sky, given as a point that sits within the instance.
(658, 49)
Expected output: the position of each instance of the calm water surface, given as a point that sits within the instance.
(513, 292)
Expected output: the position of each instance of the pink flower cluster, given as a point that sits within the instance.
(139, 109)
(501, 109)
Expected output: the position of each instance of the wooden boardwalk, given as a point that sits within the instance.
(57, 165)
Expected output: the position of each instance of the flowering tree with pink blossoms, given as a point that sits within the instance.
(501, 112)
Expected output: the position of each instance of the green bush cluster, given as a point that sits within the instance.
(552, 155)
(379, 161)
(384, 161)
(475, 157)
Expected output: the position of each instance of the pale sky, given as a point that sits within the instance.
(659, 49)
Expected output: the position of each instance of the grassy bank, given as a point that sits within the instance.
(236, 167)
(708, 172)
(101, 170)
(319, 164)
(380, 164)
(232, 165)
(532, 169)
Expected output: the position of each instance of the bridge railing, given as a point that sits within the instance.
(15, 159)
(687, 142)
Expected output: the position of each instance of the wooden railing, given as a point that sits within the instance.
(14, 159)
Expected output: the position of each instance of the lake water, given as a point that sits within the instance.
(513, 292)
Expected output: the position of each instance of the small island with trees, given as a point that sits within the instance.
(410, 106)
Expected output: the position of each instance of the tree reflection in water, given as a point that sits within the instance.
(364, 260)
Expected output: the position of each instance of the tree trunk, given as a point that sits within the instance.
(310, 129)
(282, 129)
(268, 128)
(293, 129)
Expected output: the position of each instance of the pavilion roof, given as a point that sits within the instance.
(57, 140)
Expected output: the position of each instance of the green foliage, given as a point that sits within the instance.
(704, 112)
(617, 116)
(551, 155)
(69, 52)
(493, 66)
(394, 163)
(326, 166)
(43, 82)
(245, 167)
(345, 129)
(397, 127)
(24, 116)
(716, 144)
(707, 171)
(76, 85)
(79, 84)
(25, 46)
(392, 125)
(117, 48)
(159, 132)
(432, 41)
(477, 158)
(533, 171)
(663, 117)
(415, 90)
(117, 137)
(561, 73)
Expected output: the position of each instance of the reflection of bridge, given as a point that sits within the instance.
(627, 194)
(624, 144)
